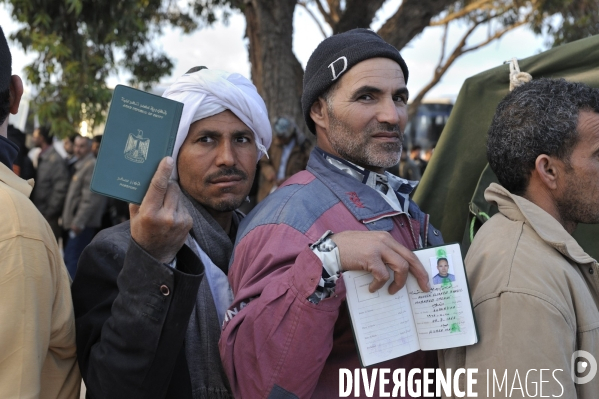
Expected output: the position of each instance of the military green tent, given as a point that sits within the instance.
(452, 187)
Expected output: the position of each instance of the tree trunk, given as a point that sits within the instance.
(357, 14)
(276, 72)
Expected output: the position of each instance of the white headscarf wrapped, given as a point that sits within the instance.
(208, 92)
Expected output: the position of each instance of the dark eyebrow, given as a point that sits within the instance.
(375, 90)
(364, 90)
(244, 132)
(210, 132)
(402, 91)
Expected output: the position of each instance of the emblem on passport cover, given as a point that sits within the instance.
(136, 148)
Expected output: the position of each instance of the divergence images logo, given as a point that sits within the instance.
(581, 362)
(136, 149)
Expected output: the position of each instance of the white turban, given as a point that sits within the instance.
(208, 92)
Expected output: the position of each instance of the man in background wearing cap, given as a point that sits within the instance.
(150, 294)
(288, 321)
(37, 332)
(287, 155)
(51, 180)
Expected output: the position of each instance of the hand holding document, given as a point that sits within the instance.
(387, 326)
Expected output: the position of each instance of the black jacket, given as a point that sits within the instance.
(131, 316)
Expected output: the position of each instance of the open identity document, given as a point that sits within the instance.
(389, 326)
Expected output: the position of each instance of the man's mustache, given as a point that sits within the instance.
(389, 128)
(226, 173)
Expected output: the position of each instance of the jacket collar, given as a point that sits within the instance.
(8, 177)
(8, 151)
(546, 226)
(45, 154)
(84, 161)
(364, 202)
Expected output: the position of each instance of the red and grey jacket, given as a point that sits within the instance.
(275, 343)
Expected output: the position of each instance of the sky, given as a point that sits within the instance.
(224, 47)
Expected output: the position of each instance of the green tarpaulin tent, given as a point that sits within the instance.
(448, 190)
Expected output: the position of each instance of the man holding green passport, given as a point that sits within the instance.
(150, 294)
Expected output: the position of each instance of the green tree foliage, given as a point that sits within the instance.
(576, 19)
(79, 43)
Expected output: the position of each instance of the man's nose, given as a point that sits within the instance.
(389, 112)
(225, 155)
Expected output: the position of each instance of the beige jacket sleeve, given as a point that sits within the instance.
(515, 350)
(37, 332)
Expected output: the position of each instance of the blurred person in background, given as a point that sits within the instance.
(69, 146)
(96, 142)
(428, 154)
(83, 209)
(416, 155)
(51, 180)
(287, 155)
(23, 167)
(407, 169)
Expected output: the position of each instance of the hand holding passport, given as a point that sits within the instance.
(160, 224)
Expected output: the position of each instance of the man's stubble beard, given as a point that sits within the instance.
(577, 204)
(355, 146)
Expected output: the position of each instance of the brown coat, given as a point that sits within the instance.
(535, 297)
(83, 208)
(51, 184)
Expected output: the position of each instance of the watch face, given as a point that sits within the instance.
(327, 245)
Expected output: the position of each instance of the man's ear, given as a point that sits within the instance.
(548, 169)
(319, 113)
(16, 91)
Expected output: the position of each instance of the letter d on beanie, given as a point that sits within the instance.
(338, 54)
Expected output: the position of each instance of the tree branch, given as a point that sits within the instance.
(443, 46)
(496, 36)
(457, 52)
(305, 6)
(477, 5)
(334, 10)
(440, 71)
(327, 16)
(410, 19)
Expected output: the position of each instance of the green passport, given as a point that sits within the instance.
(140, 130)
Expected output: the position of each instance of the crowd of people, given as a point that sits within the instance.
(62, 188)
(191, 298)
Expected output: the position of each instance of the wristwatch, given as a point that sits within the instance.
(324, 243)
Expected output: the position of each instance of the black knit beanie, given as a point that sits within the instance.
(338, 54)
(5, 63)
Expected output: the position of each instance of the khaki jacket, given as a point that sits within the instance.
(37, 329)
(535, 297)
(83, 208)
